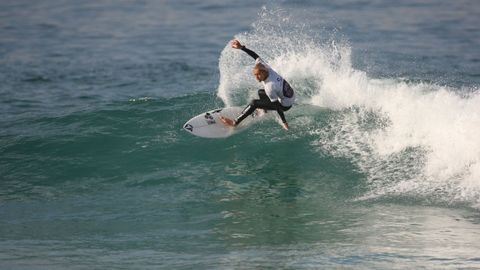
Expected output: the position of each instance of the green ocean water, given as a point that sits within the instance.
(379, 170)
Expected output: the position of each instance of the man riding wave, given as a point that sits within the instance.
(277, 94)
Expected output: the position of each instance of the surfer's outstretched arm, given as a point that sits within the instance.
(236, 45)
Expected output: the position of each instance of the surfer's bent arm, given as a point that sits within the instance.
(236, 45)
(253, 54)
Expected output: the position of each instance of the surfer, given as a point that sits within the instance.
(277, 94)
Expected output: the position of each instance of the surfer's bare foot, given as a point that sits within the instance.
(227, 122)
(285, 126)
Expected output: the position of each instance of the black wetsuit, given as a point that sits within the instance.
(264, 101)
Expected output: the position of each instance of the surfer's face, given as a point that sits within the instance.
(260, 75)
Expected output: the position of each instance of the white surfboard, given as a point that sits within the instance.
(208, 124)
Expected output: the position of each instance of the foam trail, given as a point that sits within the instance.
(417, 139)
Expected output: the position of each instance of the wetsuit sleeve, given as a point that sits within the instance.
(250, 52)
(282, 115)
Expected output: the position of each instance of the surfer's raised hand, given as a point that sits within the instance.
(236, 44)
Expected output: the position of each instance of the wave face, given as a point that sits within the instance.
(409, 138)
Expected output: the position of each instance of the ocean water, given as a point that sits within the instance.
(380, 169)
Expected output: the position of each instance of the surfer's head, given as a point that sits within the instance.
(260, 72)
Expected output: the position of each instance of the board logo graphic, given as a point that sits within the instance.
(188, 127)
(209, 118)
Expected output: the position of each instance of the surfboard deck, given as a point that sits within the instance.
(209, 125)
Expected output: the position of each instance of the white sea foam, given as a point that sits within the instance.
(408, 138)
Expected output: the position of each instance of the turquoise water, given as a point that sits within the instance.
(380, 169)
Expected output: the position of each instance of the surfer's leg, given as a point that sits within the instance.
(262, 95)
(246, 112)
(265, 104)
